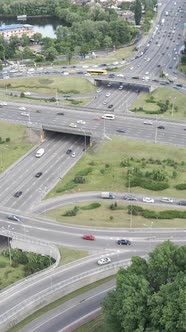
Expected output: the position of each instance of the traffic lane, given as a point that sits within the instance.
(35, 286)
(63, 313)
(23, 176)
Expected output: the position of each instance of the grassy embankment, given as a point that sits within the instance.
(20, 142)
(106, 171)
(49, 85)
(177, 102)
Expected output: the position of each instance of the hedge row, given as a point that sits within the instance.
(147, 184)
(181, 186)
(149, 214)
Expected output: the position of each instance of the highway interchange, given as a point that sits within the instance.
(55, 164)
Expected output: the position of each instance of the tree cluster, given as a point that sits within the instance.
(150, 294)
(32, 262)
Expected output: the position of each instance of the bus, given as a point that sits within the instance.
(108, 116)
(97, 71)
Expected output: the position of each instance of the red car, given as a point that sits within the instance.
(88, 237)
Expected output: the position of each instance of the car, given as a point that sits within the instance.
(166, 200)
(120, 87)
(18, 194)
(161, 127)
(73, 125)
(130, 198)
(182, 203)
(69, 151)
(25, 114)
(148, 200)
(148, 122)
(111, 75)
(81, 121)
(98, 91)
(124, 242)
(3, 104)
(13, 217)
(73, 155)
(110, 106)
(104, 260)
(27, 93)
(22, 108)
(88, 237)
(120, 130)
(38, 111)
(108, 84)
(108, 94)
(60, 113)
(38, 174)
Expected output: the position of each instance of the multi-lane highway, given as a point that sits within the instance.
(160, 52)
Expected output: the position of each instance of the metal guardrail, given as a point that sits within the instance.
(39, 300)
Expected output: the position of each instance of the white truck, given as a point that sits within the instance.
(40, 153)
(108, 195)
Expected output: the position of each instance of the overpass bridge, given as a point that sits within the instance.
(131, 83)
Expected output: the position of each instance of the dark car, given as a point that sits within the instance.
(182, 203)
(110, 106)
(38, 174)
(111, 75)
(38, 111)
(18, 194)
(69, 151)
(161, 127)
(120, 130)
(124, 242)
(60, 113)
(130, 198)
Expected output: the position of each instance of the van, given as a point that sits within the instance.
(40, 152)
(108, 116)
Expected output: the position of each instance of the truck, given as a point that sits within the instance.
(40, 153)
(108, 195)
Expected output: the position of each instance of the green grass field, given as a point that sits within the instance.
(176, 98)
(49, 84)
(9, 274)
(18, 145)
(107, 174)
(105, 217)
(69, 255)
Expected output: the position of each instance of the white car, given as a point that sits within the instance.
(167, 200)
(73, 155)
(27, 93)
(73, 125)
(148, 122)
(121, 87)
(22, 108)
(3, 104)
(104, 260)
(81, 121)
(25, 114)
(148, 200)
(108, 94)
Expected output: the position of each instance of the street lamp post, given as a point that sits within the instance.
(8, 230)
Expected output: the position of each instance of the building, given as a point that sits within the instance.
(16, 30)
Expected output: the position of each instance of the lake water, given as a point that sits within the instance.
(44, 25)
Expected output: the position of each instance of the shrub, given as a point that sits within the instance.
(72, 212)
(135, 210)
(149, 214)
(181, 186)
(68, 186)
(79, 179)
(90, 206)
(84, 172)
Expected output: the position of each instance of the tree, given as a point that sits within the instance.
(50, 54)
(137, 12)
(149, 295)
